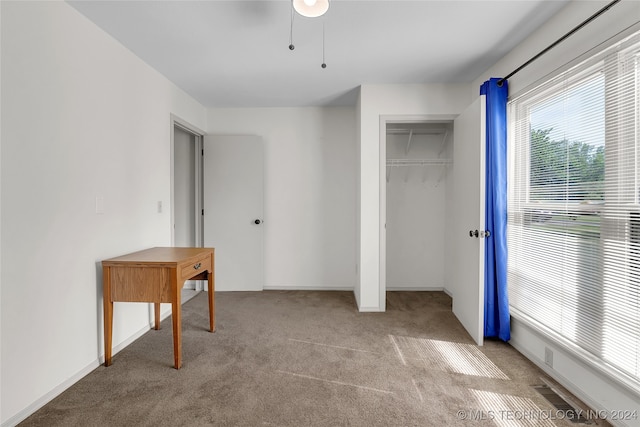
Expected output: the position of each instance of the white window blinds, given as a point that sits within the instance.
(574, 209)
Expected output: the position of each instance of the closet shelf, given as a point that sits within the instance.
(418, 131)
(418, 162)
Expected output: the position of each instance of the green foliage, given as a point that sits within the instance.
(565, 170)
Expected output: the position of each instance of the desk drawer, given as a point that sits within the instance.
(195, 268)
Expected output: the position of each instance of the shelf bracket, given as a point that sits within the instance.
(443, 144)
(406, 151)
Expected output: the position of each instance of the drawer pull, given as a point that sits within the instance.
(197, 266)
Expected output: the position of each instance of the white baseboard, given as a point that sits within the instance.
(562, 380)
(48, 397)
(415, 288)
(350, 289)
(57, 390)
(592, 387)
(375, 309)
(134, 337)
(307, 288)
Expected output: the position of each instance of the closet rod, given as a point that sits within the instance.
(418, 162)
(560, 40)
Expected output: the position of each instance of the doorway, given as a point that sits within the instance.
(463, 203)
(418, 199)
(217, 201)
(415, 162)
(186, 188)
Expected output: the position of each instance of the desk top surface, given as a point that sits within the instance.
(159, 255)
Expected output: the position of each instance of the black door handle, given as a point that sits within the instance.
(257, 222)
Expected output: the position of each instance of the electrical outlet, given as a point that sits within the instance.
(548, 357)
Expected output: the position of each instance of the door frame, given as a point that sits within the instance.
(174, 122)
(384, 120)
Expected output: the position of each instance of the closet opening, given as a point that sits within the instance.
(416, 200)
(186, 193)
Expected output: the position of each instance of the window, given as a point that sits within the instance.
(574, 209)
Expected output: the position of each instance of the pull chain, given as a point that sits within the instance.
(291, 46)
(324, 65)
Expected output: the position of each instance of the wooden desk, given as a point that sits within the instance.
(156, 275)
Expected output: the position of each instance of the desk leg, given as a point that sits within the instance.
(176, 313)
(108, 314)
(212, 302)
(156, 310)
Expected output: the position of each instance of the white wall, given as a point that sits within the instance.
(620, 17)
(1, 133)
(309, 192)
(586, 382)
(82, 118)
(433, 100)
(416, 214)
(357, 289)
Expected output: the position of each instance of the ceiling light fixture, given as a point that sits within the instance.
(311, 8)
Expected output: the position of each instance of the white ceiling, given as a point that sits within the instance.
(235, 53)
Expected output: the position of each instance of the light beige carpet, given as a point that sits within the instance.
(307, 358)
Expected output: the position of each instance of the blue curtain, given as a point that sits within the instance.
(496, 301)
